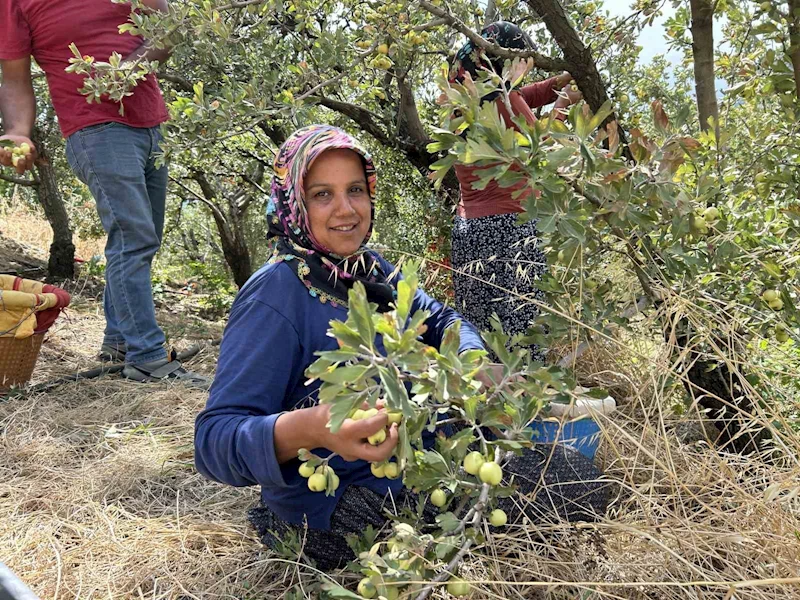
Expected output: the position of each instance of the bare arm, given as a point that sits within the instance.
(148, 52)
(18, 106)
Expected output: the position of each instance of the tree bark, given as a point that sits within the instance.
(703, 52)
(61, 262)
(582, 65)
(794, 41)
(231, 231)
(723, 397)
(491, 13)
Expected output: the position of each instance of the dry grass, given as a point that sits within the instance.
(31, 230)
(99, 498)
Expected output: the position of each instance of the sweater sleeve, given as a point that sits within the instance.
(540, 93)
(260, 363)
(442, 317)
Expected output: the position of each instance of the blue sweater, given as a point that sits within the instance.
(275, 327)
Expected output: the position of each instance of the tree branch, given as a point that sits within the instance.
(543, 62)
(366, 120)
(178, 80)
(581, 64)
(32, 182)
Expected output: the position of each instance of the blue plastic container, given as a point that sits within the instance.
(582, 434)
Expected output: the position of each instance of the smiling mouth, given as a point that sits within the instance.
(345, 228)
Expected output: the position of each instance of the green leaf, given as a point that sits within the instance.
(345, 333)
(334, 590)
(447, 522)
(600, 115)
(573, 229)
(361, 314)
(351, 374)
(396, 394)
(478, 150)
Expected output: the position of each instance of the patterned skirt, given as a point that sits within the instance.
(554, 482)
(496, 264)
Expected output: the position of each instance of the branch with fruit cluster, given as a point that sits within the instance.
(460, 472)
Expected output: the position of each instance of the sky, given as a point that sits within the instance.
(651, 39)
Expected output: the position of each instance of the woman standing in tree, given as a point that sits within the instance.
(496, 260)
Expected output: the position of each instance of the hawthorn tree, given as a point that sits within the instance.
(701, 222)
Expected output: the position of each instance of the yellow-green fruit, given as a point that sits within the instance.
(473, 462)
(369, 413)
(438, 498)
(367, 589)
(317, 482)
(383, 49)
(25, 147)
(377, 438)
(391, 470)
(490, 473)
(334, 478)
(378, 470)
(395, 417)
(306, 470)
(15, 158)
(770, 295)
(776, 304)
(358, 415)
(765, 5)
(781, 334)
(711, 214)
(458, 588)
(498, 518)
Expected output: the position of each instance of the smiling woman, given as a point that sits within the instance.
(338, 203)
(262, 411)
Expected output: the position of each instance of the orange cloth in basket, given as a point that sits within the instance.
(28, 307)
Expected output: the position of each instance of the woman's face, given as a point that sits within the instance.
(337, 200)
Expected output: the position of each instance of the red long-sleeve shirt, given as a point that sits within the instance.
(45, 29)
(496, 200)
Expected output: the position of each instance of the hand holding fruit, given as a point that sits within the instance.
(17, 151)
(359, 437)
(570, 92)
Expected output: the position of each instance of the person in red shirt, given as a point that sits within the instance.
(112, 152)
(496, 260)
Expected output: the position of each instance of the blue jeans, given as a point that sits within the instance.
(116, 162)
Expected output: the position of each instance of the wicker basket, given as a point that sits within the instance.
(17, 359)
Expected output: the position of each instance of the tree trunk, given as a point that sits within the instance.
(723, 397)
(231, 230)
(583, 67)
(794, 41)
(703, 53)
(491, 13)
(61, 262)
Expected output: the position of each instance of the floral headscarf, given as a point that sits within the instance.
(327, 276)
(472, 59)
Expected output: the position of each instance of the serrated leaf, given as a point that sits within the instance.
(447, 522)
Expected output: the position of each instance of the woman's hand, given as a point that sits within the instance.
(562, 80)
(308, 428)
(350, 442)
